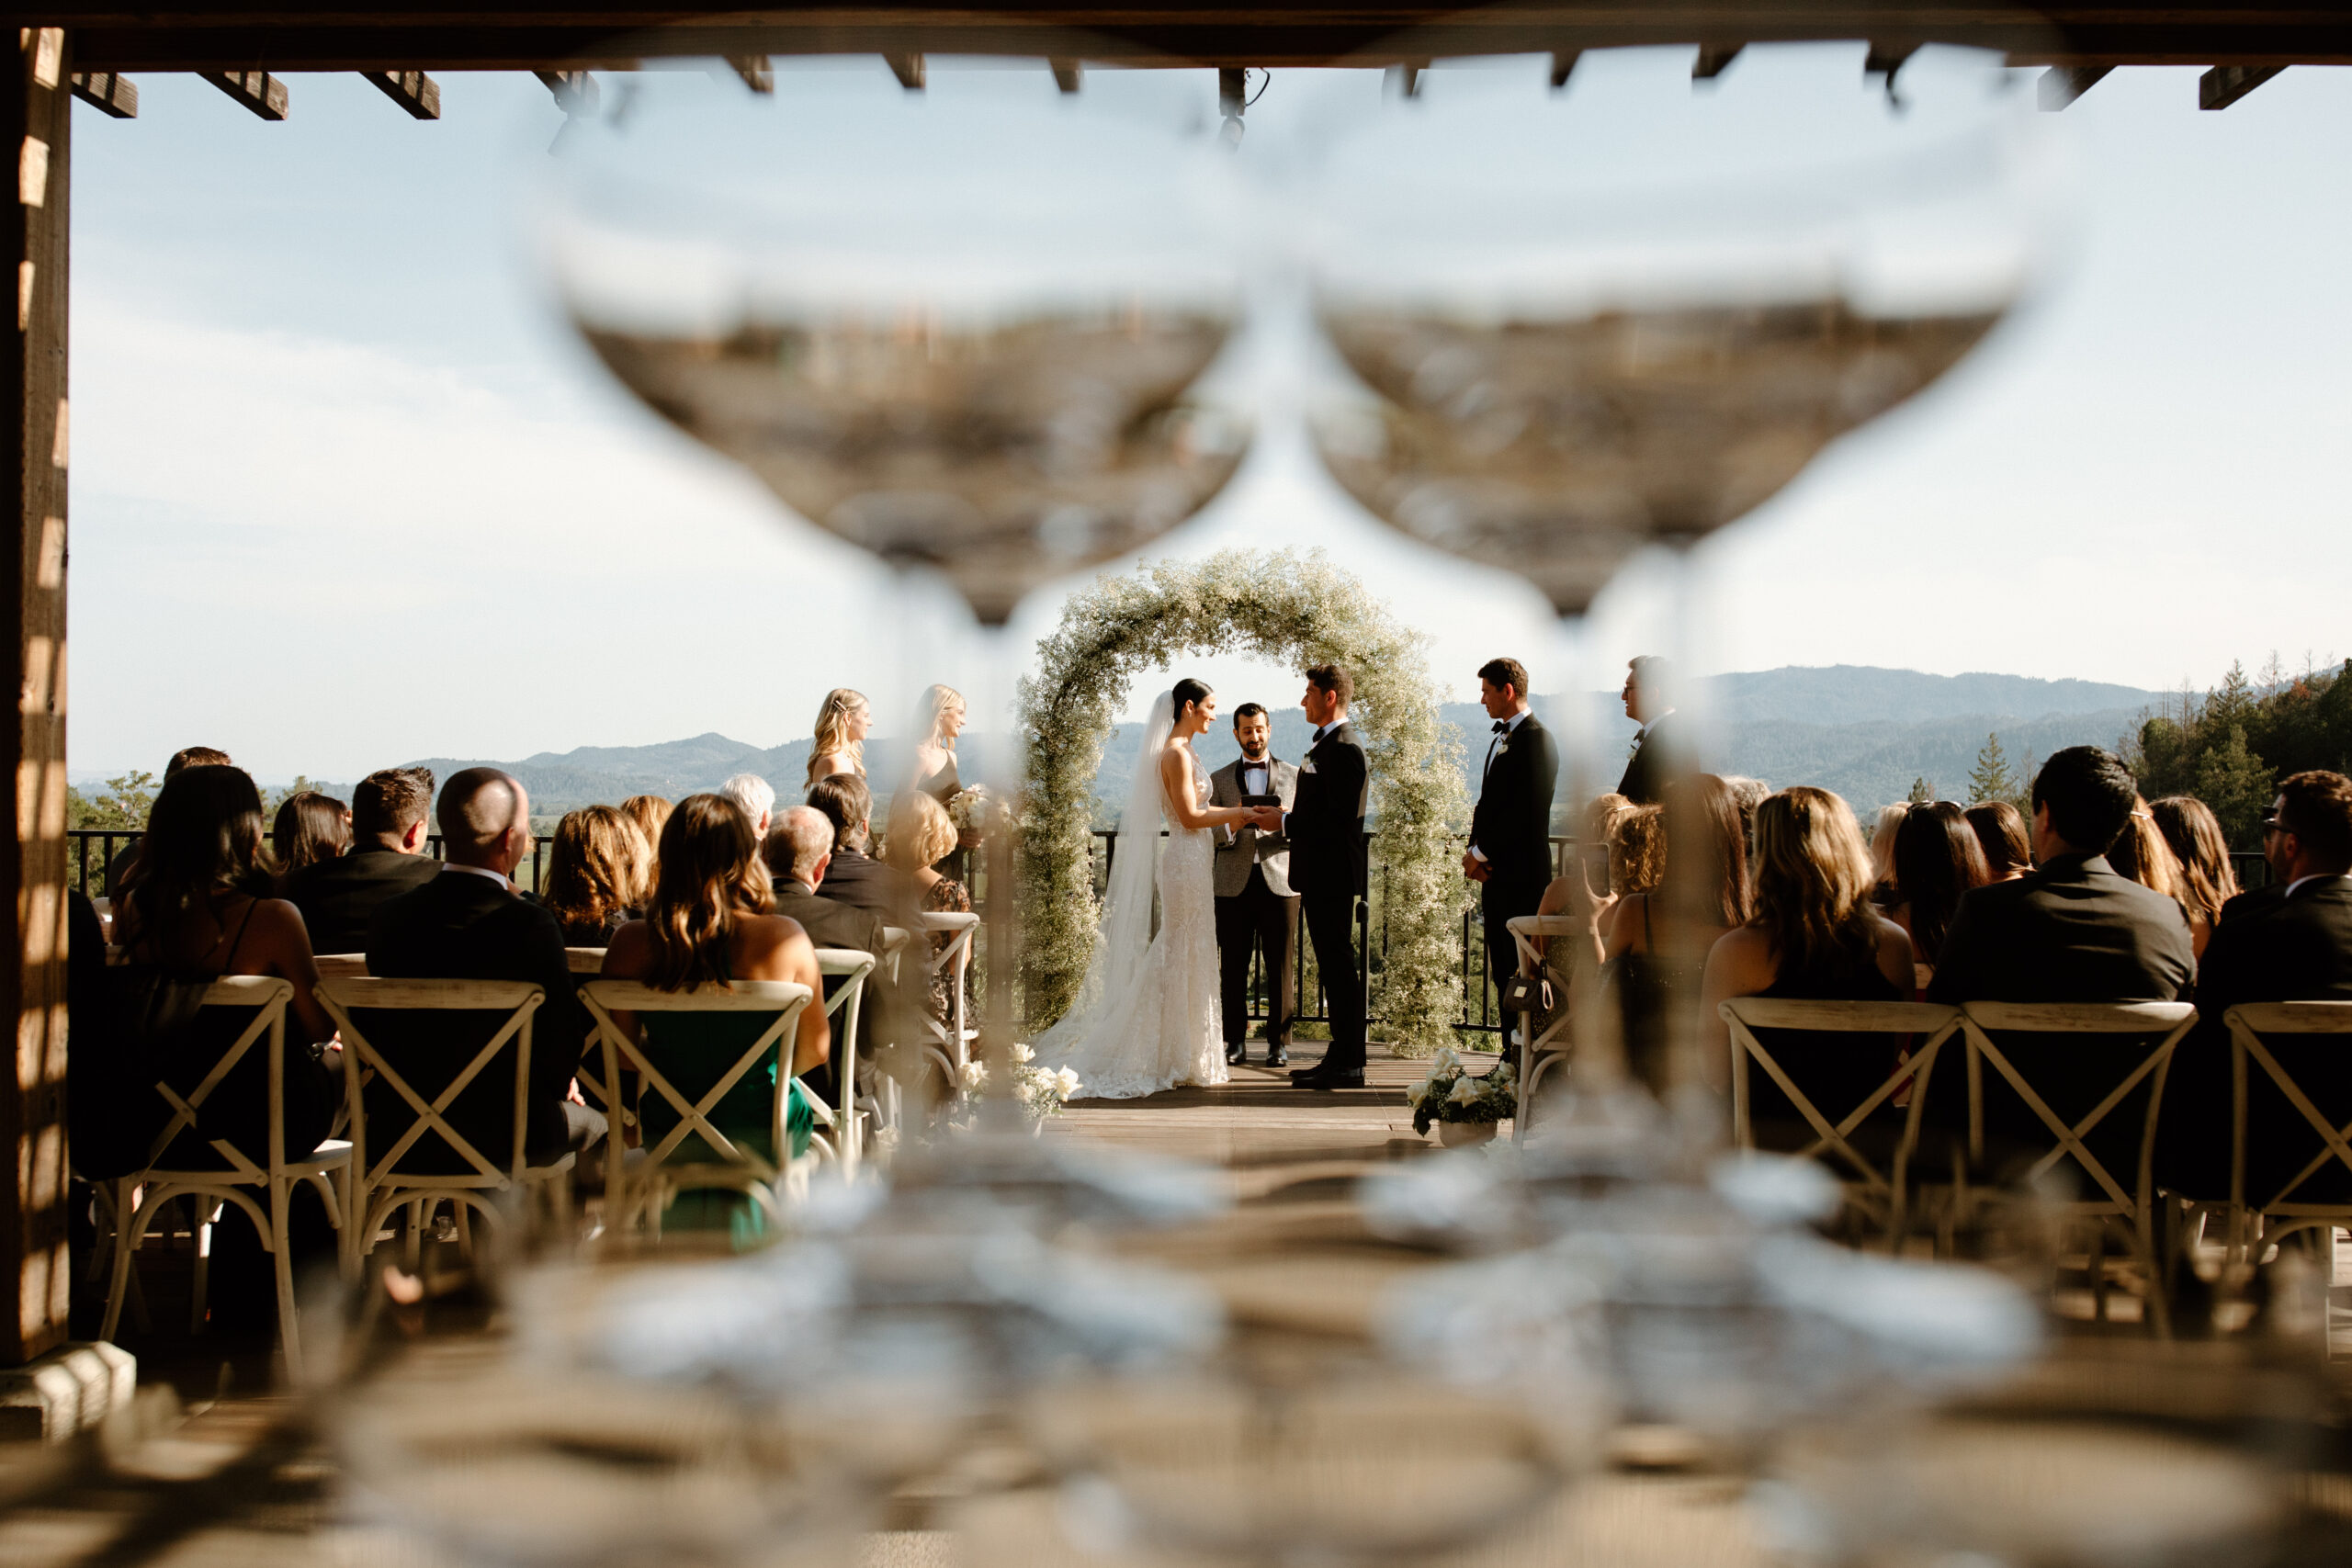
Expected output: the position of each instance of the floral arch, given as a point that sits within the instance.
(1286, 608)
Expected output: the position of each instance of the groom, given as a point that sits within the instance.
(1324, 827)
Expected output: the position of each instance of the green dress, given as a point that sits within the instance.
(693, 1051)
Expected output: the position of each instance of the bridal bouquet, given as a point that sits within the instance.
(1448, 1093)
(969, 809)
(1040, 1090)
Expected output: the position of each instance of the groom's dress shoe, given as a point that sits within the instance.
(1322, 1077)
(1236, 1055)
(1277, 1054)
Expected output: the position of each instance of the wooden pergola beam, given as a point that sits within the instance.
(414, 91)
(2225, 84)
(2061, 85)
(257, 90)
(1714, 60)
(110, 95)
(757, 72)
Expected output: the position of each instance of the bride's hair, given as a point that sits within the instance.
(1188, 691)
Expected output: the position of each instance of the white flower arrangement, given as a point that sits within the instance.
(1283, 607)
(1040, 1090)
(969, 810)
(1448, 1093)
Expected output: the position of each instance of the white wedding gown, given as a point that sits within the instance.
(1144, 1026)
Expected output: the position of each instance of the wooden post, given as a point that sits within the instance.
(32, 1098)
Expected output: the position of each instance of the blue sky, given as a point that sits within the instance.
(346, 492)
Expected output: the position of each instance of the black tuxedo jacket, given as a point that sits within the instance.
(2269, 947)
(828, 920)
(857, 879)
(463, 926)
(1325, 824)
(1511, 825)
(2073, 930)
(339, 897)
(1648, 770)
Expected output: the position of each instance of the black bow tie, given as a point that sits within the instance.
(1502, 726)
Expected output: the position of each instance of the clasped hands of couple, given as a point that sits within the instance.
(1265, 818)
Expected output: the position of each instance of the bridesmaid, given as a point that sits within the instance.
(841, 726)
(935, 753)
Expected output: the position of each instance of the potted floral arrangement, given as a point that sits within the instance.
(1040, 1091)
(1465, 1109)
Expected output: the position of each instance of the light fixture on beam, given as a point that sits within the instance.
(257, 90)
(2225, 84)
(758, 73)
(2061, 85)
(414, 91)
(1066, 73)
(908, 69)
(575, 91)
(108, 94)
(1714, 60)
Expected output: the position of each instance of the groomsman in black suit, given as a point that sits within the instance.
(1510, 830)
(1256, 910)
(1652, 763)
(1324, 827)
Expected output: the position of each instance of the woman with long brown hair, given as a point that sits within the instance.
(707, 924)
(1816, 936)
(309, 827)
(2208, 880)
(1936, 859)
(2142, 853)
(1655, 952)
(651, 813)
(2002, 834)
(597, 867)
(842, 721)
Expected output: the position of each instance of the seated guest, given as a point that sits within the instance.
(469, 923)
(1936, 859)
(2207, 879)
(338, 897)
(649, 812)
(1559, 895)
(2142, 854)
(2070, 931)
(842, 722)
(756, 796)
(1655, 956)
(594, 865)
(198, 906)
(1882, 836)
(1636, 853)
(920, 834)
(855, 877)
(118, 868)
(2290, 942)
(309, 828)
(1816, 936)
(709, 923)
(797, 852)
(2001, 833)
(1747, 794)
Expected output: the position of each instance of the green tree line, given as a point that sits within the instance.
(2230, 747)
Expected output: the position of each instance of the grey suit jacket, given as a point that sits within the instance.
(1239, 848)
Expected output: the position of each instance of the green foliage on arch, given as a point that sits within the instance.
(1283, 607)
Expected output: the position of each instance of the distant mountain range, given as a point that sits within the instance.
(1863, 731)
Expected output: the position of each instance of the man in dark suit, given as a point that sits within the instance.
(468, 923)
(1511, 828)
(339, 897)
(1256, 910)
(2070, 931)
(1325, 827)
(2290, 942)
(853, 876)
(798, 849)
(1652, 762)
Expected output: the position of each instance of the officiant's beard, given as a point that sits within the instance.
(1257, 756)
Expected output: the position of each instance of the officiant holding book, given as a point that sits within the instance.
(1256, 910)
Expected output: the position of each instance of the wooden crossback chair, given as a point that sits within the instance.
(1872, 1188)
(590, 961)
(2258, 1035)
(1549, 1049)
(2128, 1200)
(384, 1182)
(641, 1190)
(850, 966)
(341, 966)
(951, 1041)
(274, 1175)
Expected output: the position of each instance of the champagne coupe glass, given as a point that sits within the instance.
(1607, 307)
(963, 327)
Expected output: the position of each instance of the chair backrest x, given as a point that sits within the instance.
(2035, 1068)
(2314, 1078)
(364, 1058)
(267, 996)
(781, 1000)
(1928, 1027)
(952, 959)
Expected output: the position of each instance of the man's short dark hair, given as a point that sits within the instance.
(195, 757)
(1505, 672)
(1247, 710)
(847, 804)
(388, 802)
(2089, 793)
(2316, 806)
(1333, 680)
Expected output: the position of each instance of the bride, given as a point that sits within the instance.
(1146, 1019)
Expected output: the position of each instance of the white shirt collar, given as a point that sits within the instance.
(1522, 716)
(1652, 724)
(2322, 877)
(450, 865)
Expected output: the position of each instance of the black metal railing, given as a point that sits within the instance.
(90, 875)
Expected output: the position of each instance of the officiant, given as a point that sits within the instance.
(1256, 910)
